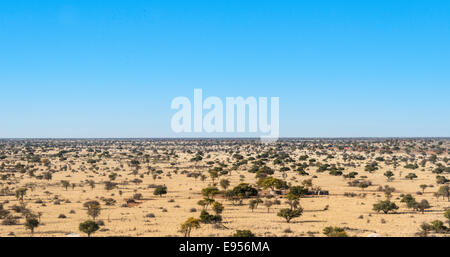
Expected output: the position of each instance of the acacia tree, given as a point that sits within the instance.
(309, 184)
(409, 200)
(88, 227)
(272, 183)
(444, 191)
(423, 187)
(298, 191)
(385, 206)
(205, 203)
(389, 174)
(91, 184)
(217, 208)
(292, 201)
(290, 214)
(65, 184)
(213, 174)
(224, 183)
(189, 225)
(253, 204)
(411, 176)
(268, 204)
(388, 192)
(423, 205)
(20, 193)
(31, 224)
(93, 209)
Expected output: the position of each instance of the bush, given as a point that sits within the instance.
(412, 166)
(371, 167)
(9, 221)
(243, 233)
(447, 215)
(150, 215)
(137, 196)
(160, 190)
(438, 226)
(110, 185)
(334, 232)
(441, 180)
(3, 213)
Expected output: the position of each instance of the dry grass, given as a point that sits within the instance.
(353, 213)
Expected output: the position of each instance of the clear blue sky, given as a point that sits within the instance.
(111, 68)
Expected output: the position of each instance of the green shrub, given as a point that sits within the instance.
(243, 233)
(334, 232)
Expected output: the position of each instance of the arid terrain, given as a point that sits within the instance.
(151, 187)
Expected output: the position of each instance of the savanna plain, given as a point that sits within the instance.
(225, 187)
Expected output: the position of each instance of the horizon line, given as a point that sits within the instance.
(218, 138)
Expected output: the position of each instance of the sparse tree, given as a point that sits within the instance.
(411, 176)
(224, 183)
(189, 225)
(389, 174)
(217, 208)
(444, 191)
(385, 206)
(268, 204)
(290, 214)
(423, 187)
(93, 210)
(91, 183)
(423, 205)
(65, 184)
(88, 227)
(20, 193)
(31, 224)
(292, 201)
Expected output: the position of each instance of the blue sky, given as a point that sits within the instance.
(112, 68)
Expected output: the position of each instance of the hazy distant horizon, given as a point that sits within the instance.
(228, 138)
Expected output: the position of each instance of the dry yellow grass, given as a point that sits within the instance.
(353, 213)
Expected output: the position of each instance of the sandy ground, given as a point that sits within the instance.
(353, 213)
